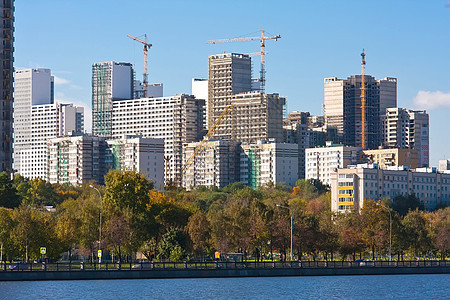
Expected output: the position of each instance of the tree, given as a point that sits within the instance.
(172, 244)
(199, 233)
(68, 224)
(404, 204)
(8, 193)
(6, 227)
(41, 192)
(416, 234)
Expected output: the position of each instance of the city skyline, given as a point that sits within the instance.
(318, 40)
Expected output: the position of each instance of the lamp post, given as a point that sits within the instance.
(100, 230)
(292, 217)
(390, 228)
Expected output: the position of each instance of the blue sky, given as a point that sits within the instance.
(409, 40)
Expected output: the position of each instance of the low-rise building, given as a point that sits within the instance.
(350, 187)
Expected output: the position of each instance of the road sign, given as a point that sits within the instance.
(99, 253)
(43, 250)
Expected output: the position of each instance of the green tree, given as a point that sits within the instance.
(416, 233)
(172, 244)
(6, 227)
(199, 232)
(41, 192)
(404, 204)
(8, 193)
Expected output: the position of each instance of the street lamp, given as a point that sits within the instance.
(390, 228)
(101, 212)
(292, 217)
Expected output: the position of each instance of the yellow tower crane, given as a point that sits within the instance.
(263, 52)
(146, 47)
(363, 102)
(201, 146)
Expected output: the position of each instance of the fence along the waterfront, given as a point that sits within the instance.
(211, 265)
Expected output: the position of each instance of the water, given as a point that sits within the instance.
(321, 287)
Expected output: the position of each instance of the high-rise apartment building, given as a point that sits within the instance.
(256, 117)
(342, 99)
(32, 87)
(393, 157)
(177, 120)
(200, 91)
(229, 74)
(323, 161)
(135, 153)
(268, 161)
(76, 159)
(111, 81)
(7, 78)
(405, 128)
(217, 165)
(37, 118)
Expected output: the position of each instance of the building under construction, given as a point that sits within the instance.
(7, 78)
(177, 120)
(217, 165)
(111, 81)
(76, 159)
(229, 74)
(268, 162)
(257, 117)
(135, 153)
(342, 99)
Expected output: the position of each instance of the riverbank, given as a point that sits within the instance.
(26, 275)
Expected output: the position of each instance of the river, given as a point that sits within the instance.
(319, 287)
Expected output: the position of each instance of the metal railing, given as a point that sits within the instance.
(211, 265)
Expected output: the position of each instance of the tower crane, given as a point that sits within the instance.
(146, 47)
(363, 101)
(263, 52)
(201, 146)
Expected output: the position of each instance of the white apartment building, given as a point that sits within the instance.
(76, 159)
(37, 119)
(404, 128)
(351, 187)
(444, 165)
(31, 87)
(177, 120)
(143, 155)
(266, 162)
(200, 91)
(323, 161)
(217, 165)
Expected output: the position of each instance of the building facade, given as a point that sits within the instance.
(177, 120)
(351, 187)
(111, 81)
(229, 74)
(268, 162)
(76, 159)
(143, 155)
(409, 129)
(217, 165)
(323, 161)
(256, 117)
(393, 157)
(7, 78)
(342, 104)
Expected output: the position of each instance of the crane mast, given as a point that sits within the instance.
(363, 101)
(262, 52)
(146, 47)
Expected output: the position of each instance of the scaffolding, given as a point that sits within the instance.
(254, 168)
